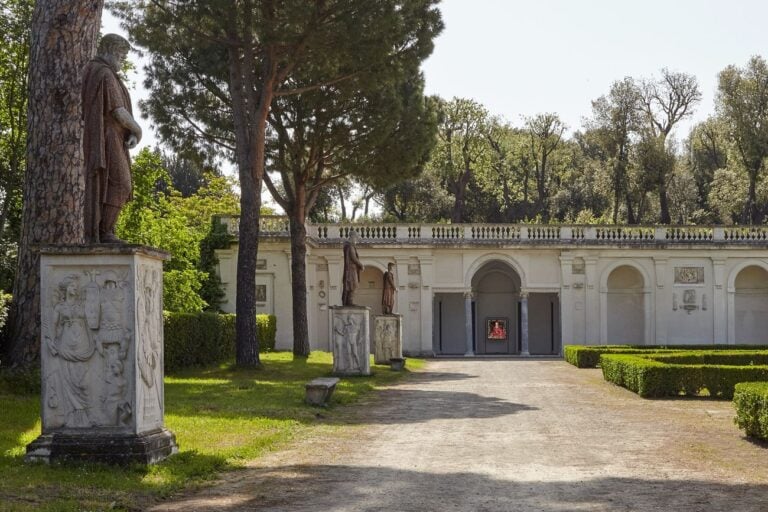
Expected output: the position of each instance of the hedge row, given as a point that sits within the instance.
(751, 402)
(588, 356)
(199, 339)
(714, 357)
(652, 378)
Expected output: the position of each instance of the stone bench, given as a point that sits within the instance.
(319, 390)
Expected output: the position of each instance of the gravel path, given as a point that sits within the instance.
(508, 435)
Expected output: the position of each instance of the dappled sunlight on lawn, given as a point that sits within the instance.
(222, 417)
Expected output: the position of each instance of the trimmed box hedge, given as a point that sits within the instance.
(200, 339)
(648, 376)
(751, 402)
(588, 356)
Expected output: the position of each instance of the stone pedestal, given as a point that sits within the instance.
(387, 338)
(351, 340)
(102, 356)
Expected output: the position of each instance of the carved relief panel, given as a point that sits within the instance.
(351, 341)
(149, 346)
(86, 347)
(387, 338)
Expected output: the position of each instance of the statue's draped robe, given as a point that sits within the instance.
(388, 295)
(107, 163)
(352, 268)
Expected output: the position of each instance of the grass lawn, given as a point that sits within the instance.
(222, 417)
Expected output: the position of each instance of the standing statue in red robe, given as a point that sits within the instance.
(388, 295)
(352, 269)
(109, 132)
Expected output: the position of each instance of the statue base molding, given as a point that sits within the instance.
(118, 449)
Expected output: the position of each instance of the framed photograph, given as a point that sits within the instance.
(496, 329)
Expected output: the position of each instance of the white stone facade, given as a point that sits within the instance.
(542, 286)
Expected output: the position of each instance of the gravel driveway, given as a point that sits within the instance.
(508, 435)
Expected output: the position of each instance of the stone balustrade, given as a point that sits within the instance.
(511, 233)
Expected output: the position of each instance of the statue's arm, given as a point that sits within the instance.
(355, 259)
(127, 121)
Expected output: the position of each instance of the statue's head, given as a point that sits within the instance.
(68, 286)
(391, 267)
(114, 49)
(353, 237)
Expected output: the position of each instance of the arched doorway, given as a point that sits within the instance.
(369, 292)
(496, 289)
(625, 299)
(751, 305)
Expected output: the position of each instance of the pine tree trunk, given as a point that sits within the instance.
(630, 211)
(247, 343)
(299, 282)
(64, 36)
(666, 218)
(752, 215)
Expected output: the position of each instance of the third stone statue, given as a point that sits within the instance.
(109, 132)
(390, 289)
(352, 269)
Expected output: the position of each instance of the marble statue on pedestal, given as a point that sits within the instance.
(352, 269)
(109, 132)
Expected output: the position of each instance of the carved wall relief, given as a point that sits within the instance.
(387, 338)
(85, 347)
(690, 303)
(149, 319)
(351, 344)
(689, 275)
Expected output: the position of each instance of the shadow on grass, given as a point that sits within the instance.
(276, 391)
(376, 488)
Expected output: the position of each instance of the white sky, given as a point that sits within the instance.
(520, 58)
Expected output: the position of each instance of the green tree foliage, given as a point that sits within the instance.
(462, 150)
(663, 103)
(420, 199)
(707, 149)
(374, 127)
(611, 130)
(217, 68)
(15, 20)
(161, 217)
(545, 132)
(742, 104)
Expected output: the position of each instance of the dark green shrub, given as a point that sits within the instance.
(267, 328)
(751, 402)
(588, 356)
(24, 381)
(200, 339)
(717, 357)
(649, 377)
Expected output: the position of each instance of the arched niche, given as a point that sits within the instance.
(751, 306)
(625, 301)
